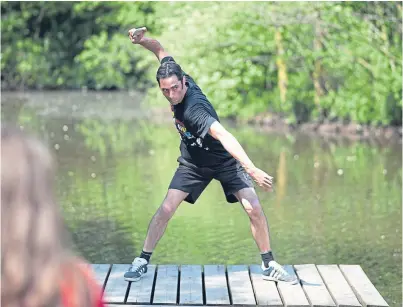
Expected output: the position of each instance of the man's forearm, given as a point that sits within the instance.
(154, 46)
(232, 145)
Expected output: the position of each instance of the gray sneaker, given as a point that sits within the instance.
(136, 270)
(276, 272)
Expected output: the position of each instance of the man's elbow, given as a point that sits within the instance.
(221, 134)
(226, 135)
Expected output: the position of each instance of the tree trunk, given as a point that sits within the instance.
(317, 72)
(281, 66)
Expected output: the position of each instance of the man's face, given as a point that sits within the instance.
(173, 89)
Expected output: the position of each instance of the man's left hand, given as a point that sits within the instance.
(262, 179)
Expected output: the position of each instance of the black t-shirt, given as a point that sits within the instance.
(193, 118)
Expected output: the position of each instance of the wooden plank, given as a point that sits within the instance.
(292, 295)
(116, 285)
(314, 286)
(362, 286)
(101, 272)
(166, 285)
(240, 285)
(140, 291)
(266, 292)
(340, 290)
(215, 283)
(191, 287)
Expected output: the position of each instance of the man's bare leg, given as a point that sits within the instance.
(258, 222)
(160, 220)
(260, 231)
(156, 229)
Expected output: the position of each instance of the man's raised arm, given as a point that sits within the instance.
(136, 36)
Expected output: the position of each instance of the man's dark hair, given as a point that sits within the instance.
(168, 69)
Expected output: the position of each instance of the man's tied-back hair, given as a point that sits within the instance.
(168, 69)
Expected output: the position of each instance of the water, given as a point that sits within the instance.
(334, 202)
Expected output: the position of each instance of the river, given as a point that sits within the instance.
(334, 202)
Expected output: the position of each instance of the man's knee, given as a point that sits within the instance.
(252, 207)
(170, 204)
(167, 209)
(250, 201)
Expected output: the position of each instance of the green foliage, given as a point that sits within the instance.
(70, 44)
(340, 60)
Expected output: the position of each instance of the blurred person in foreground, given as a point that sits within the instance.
(208, 151)
(37, 266)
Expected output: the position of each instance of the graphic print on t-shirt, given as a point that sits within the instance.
(188, 138)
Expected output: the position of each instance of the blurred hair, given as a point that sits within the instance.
(168, 69)
(36, 262)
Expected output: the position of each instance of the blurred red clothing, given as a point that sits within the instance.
(79, 287)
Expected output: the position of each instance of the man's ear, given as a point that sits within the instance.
(183, 81)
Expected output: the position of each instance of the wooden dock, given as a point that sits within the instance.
(242, 285)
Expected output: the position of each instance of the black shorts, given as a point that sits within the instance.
(193, 180)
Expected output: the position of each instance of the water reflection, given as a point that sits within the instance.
(334, 202)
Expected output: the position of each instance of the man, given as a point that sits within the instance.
(208, 151)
